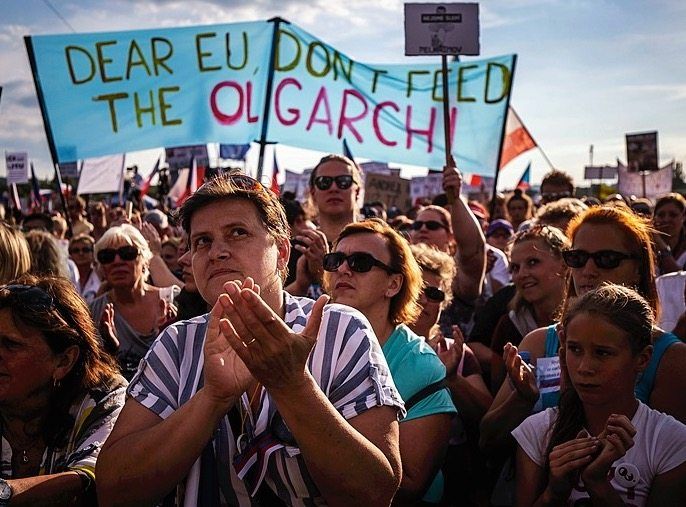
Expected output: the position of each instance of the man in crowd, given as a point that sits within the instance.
(556, 185)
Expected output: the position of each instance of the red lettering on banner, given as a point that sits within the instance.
(348, 121)
(322, 98)
(429, 132)
(277, 102)
(248, 88)
(375, 121)
(221, 116)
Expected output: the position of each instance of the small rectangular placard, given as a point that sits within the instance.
(441, 29)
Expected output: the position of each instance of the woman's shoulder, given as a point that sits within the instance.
(534, 342)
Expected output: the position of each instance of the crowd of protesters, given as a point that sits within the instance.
(245, 349)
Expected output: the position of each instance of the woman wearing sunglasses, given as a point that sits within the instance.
(139, 308)
(602, 446)
(373, 270)
(81, 252)
(609, 245)
(60, 394)
(668, 219)
(464, 468)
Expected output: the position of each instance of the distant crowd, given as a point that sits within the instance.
(252, 349)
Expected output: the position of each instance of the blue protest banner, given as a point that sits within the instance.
(124, 91)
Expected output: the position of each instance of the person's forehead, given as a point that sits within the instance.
(369, 242)
(219, 214)
(334, 168)
(594, 237)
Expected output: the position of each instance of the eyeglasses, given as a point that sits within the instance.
(434, 294)
(359, 262)
(343, 181)
(432, 225)
(84, 250)
(604, 259)
(126, 253)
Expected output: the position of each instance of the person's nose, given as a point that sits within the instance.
(219, 250)
(586, 366)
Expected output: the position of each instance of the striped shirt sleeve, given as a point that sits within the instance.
(349, 364)
(157, 382)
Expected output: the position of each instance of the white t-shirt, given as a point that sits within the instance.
(659, 446)
(499, 273)
(670, 292)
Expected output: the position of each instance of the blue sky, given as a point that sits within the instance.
(588, 71)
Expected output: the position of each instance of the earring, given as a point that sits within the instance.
(56, 384)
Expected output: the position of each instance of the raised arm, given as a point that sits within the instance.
(145, 455)
(471, 244)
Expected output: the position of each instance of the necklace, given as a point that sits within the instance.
(24, 457)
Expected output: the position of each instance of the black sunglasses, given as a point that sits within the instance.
(84, 250)
(126, 253)
(359, 262)
(343, 181)
(604, 259)
(432, 225)
(434, 294)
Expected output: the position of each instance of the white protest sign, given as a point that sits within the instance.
(441, 29)
(101, 175)
(17, 164)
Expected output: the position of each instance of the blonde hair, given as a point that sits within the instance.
(129, 235)
(15, 257)
(438, 263)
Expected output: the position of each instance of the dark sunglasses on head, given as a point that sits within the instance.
(83, 250)
(360, 262)
(434, 294)
(432, 225)
(126, 253)
(30, 296)
(343, 181)
(604, 259)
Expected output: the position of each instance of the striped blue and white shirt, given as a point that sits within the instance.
(346, 362)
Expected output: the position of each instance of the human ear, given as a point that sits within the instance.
(66, 361)
(395, 283)
(643, 358)
(284, 253)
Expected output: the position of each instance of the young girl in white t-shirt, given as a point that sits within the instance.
(602, 446)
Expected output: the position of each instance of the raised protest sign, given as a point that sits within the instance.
(180, 157)
(69, 170)
(102, 175)
(600, 172)
(194, 85)
(652, 185)
(17, 164)
(441, 29)
(641, 152)
(392, 190)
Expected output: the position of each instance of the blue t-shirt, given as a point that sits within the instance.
(414, 365)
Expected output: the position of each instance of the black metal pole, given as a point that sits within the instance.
(502, 138)
(446, 123)
(46, 124)
(268, 95)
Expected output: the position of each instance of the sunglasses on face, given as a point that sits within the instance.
(434, 294)
(126, 253)
(603, 259)
(34, 299)
(83, 250)
(359, 262)
(343, 181)
(432, 225)
(554, 196)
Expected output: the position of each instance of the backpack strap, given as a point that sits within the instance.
(425, 393)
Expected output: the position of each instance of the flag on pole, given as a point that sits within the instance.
(525, 180)
(234, 151)
(517, 138)
(35, 188)
(185, 186)
(145, 187)
(275, 177)
(14, 197)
